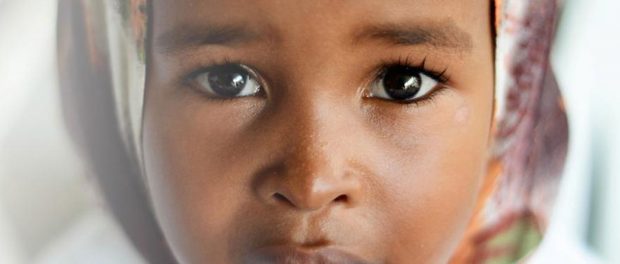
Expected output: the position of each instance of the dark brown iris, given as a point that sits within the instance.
(402, 83)
(228, 80)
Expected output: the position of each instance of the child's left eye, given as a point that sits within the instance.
(228, 81)
(402, 84)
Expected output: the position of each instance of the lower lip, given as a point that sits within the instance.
(297, 255)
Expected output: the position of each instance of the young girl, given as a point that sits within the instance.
(319, 131)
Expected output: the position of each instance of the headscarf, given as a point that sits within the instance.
(530, 133)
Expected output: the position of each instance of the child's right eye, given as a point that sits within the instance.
(227, 81)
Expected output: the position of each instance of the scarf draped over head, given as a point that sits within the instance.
(531, 130)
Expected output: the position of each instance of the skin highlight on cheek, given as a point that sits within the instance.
(462, 114)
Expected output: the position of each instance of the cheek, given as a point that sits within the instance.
(187, 159)
(433, 175)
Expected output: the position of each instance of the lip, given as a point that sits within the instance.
(288, 254)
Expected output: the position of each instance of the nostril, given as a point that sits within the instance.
(281, 198)
(342, 199)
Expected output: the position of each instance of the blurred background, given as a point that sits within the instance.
(51, 211)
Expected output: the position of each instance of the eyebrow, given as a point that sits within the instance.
(188, 37)
(443, 34)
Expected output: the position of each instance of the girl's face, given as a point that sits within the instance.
(317, 131)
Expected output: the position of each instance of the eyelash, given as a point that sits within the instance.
(442, 77)
(209, 65)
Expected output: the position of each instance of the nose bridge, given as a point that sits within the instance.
(314, 106)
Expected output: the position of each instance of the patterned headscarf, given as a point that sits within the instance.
(531, 131)
(531, 138)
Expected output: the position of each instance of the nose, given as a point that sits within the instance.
(314, 192)
(316, 166)
(309, 181)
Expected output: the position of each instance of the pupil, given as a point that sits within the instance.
(402, 82)
(228, 80)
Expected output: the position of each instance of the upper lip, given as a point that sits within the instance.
(292, 254)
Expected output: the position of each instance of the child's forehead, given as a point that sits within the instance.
(332, 11)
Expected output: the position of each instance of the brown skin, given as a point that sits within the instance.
(313, 162)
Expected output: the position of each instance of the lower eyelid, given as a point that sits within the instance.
(430, 98)
(419, 102)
